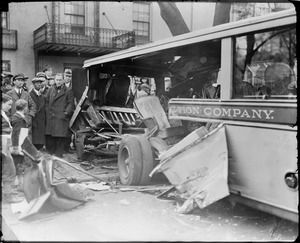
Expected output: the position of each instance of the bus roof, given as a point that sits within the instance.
(276, 19)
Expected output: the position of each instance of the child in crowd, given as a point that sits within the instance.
(8, 167)
(18, 121)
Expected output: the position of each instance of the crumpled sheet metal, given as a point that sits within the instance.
(40, 191)
(200, 172)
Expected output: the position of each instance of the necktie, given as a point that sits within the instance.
(19, 93)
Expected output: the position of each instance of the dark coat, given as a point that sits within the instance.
(60, 107)
(31, 105)
(39, 121)
(45, 91)
(17, 122)
(45, 94)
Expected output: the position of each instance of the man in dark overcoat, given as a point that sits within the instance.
(17, 93)
(68, 84)
(60, 107)
(39, 121)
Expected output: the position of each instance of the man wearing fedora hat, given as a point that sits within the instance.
(39, 121)
(60, 107)
(17, 93)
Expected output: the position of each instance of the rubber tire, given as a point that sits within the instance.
(147, 160)
(130, 153)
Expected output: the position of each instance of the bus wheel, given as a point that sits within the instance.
(147, 160)
(130, 161)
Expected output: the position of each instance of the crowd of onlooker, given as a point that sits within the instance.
(41, 112)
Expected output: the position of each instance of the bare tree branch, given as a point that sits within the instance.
(222, 13)
(173, 18)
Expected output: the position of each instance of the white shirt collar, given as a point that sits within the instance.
(37, 92)
(21, 114)
(18, 90)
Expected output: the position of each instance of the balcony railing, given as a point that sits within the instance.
(9, 39)
(66, 34)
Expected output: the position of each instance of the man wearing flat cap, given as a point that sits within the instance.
(38, 75)
(17, 93)
(39, 121)
(44, 86)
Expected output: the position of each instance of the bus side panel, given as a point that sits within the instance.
(259, 159)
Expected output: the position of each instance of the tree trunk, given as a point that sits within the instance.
(173, 18)
(222, 13)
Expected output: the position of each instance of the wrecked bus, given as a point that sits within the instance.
(236, 81)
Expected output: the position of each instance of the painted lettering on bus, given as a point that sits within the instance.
(222, 112)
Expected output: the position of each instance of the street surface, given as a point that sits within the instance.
(140, 216)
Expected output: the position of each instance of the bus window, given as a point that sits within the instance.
(264, 65)
(135, 90)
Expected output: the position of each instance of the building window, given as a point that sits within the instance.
(141, 22)
(74, 15)
(4, 23)
(6, 66)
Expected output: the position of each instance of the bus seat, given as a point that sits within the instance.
(150, 107)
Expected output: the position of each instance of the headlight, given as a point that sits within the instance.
(291, 179)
